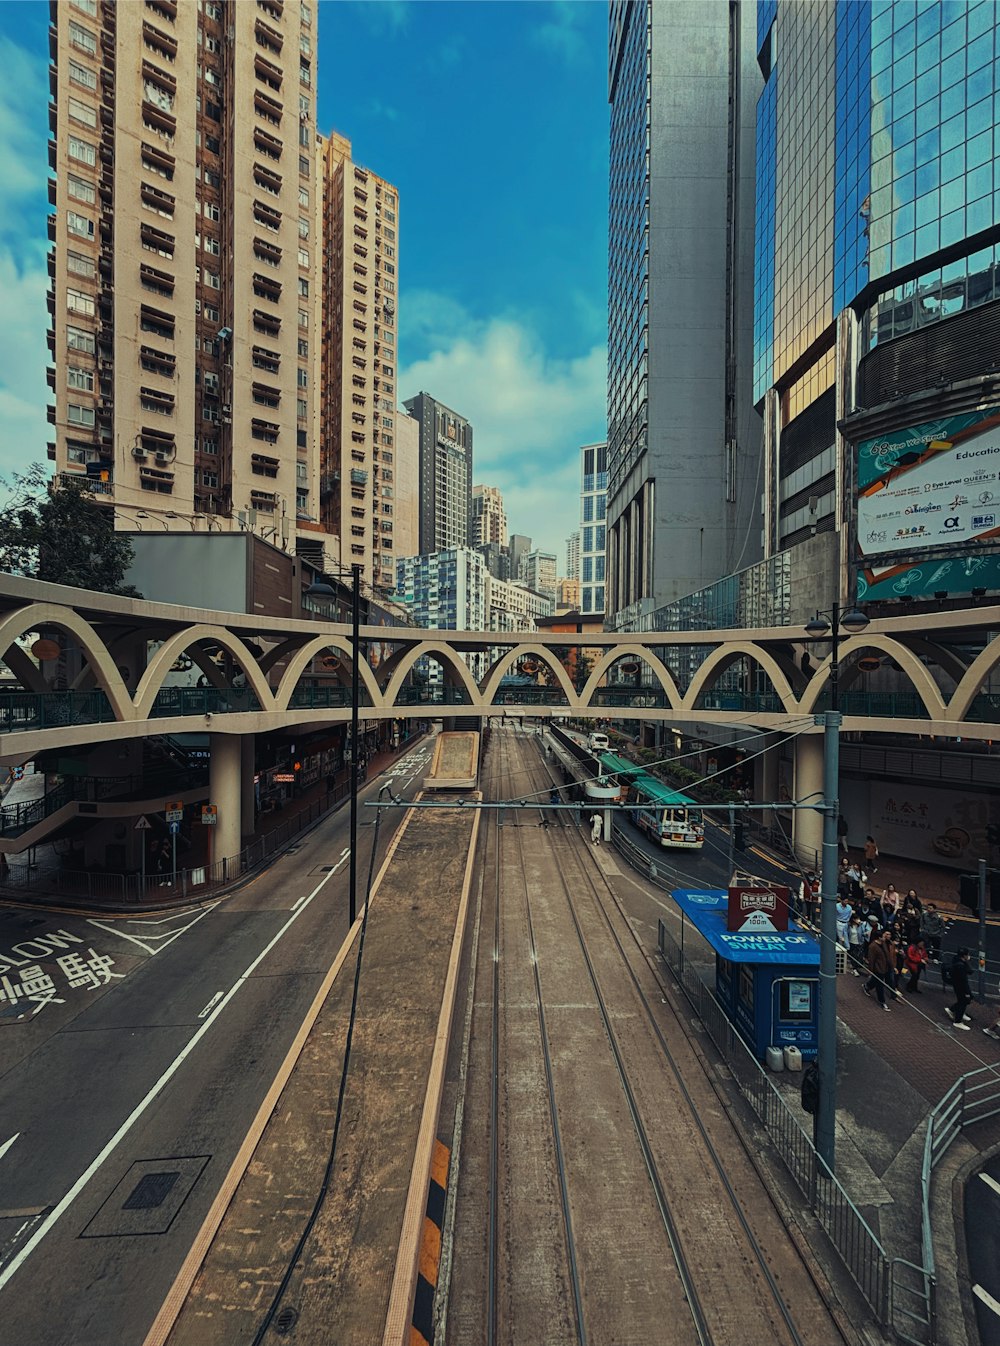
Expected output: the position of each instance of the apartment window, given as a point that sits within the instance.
(77, 415)
(151, 399)
(82, 112)
(305, 73)
(210, 446)
(82, 150)
(213, 11)
(303, 256)
(213, 246)
(80, 378)
(303, 166)
(213, 280)
(153, 199)
(389, 251)
(265, 359)
(213, 77)
(303, 227)
(303, 318)
(303, 287)
(389, 286)
(209, 478)
(211, 178)
(213, 144)
(79, 74)
(77, 339)
(153, 320)
(303, 196)
(305, 135)
(303, 378)
(266, 252)
(265, 430)
(211, 312)
(266, 396)
(80, 264)
(301, 408)
(78, 302)
(80, 189)
(155, 240)
(211, 211)
(389, 234)
(155, 160)
(266, 288)
(306, 14)
(390, 215)
(83, 38)
(156, 361)
(388, 370)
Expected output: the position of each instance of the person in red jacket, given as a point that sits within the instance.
(916, 961)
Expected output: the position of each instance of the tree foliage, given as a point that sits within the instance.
(57, 532)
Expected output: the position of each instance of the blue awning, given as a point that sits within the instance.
(707, 912)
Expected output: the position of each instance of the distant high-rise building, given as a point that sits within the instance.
(406, 520)
(519, 544)
(360, 275)
(593, 530)
(567, 594)
(445, 474)
(497, 559)
(573, 556)
(515, 607)
(186, 238)
(537, 569)
(489, 518)
(683, 436)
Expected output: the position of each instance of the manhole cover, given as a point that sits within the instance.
(285, 1321)
(150, 1191)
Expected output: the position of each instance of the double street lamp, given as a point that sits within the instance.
(829, 626)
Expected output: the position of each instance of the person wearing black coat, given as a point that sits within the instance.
(960, 984)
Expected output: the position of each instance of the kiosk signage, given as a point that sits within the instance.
(756, 907)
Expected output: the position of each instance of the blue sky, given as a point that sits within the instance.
(491, 118)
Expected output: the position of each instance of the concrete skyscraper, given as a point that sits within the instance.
(360, 323)
(592, 537)
(445, 474)
(683, 436)
(185, 233)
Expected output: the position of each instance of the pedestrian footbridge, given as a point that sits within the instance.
(81, 668)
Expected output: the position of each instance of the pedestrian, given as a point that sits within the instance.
(162, 863)
(809, 898)
(856, 880)
(596, 828)
(842, 833)
(871, 854)
(890, 906)
(844, 913)
(994, 1031)
(854, 938)
(916, 961)
(879, 956)
(931, 930)
(4, 867)
(963, 991)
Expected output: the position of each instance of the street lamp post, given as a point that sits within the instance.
(853, 622)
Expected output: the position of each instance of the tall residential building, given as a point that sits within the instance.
(683, 436)
(185, 233)
(593, 530)
(878, 307)
(519, 544)
(360, 325)
(445, 474)
(407, 484)
(573, 555)
(515, 607)
(567, 594)
(489, 518)
(537, 569)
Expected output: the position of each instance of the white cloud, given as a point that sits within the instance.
(385, 17)
(23, 355)
(559, 32)
(530, 412)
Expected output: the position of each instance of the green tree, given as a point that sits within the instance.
(56, 531)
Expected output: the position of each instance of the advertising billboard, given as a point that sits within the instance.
(931, 485)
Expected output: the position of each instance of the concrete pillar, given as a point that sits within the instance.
(224, 789)
(248, 809)
(807, 825)
(766, 776)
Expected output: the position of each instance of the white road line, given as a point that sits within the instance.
(298, 901)
(8, 1143)
(990, 1182)
(94, 1166)
(147, 944)
(987, 1299)
(214, 1001)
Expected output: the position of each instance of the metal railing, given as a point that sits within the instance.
(900, 1294)
(19, 817)
(191, 881)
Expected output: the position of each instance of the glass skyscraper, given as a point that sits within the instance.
(877, 323)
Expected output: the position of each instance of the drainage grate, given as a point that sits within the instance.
(285, 1321)
(150, 1191)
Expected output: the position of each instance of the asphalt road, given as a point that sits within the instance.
(982, 1239)
(131, 1065)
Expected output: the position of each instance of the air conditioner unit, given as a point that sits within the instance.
(162, 457)
(139, 453)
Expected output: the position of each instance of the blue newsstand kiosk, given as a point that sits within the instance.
(766, 982)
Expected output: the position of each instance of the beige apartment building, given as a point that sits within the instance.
(358, 415)
(407, 499)
(489, 518)
(184, 306)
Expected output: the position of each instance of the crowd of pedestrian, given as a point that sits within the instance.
(889, 937)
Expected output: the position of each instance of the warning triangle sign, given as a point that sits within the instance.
(142, 824)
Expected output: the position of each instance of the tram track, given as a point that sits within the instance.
(621, 1204)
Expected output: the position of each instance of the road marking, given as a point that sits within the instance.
(298, 901)
(215, 999)
(8, 1143)
(987, 1299)
(990, 1182)
(166, 938)
(11, 1269)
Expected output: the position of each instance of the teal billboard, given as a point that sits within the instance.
(928, 508)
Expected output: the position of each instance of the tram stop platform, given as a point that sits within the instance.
(357, 1277)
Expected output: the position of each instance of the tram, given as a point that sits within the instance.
(666, 815)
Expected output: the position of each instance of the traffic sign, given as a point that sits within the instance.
(209, 815)
(175, 812)
(142, 824)
(174, 829)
